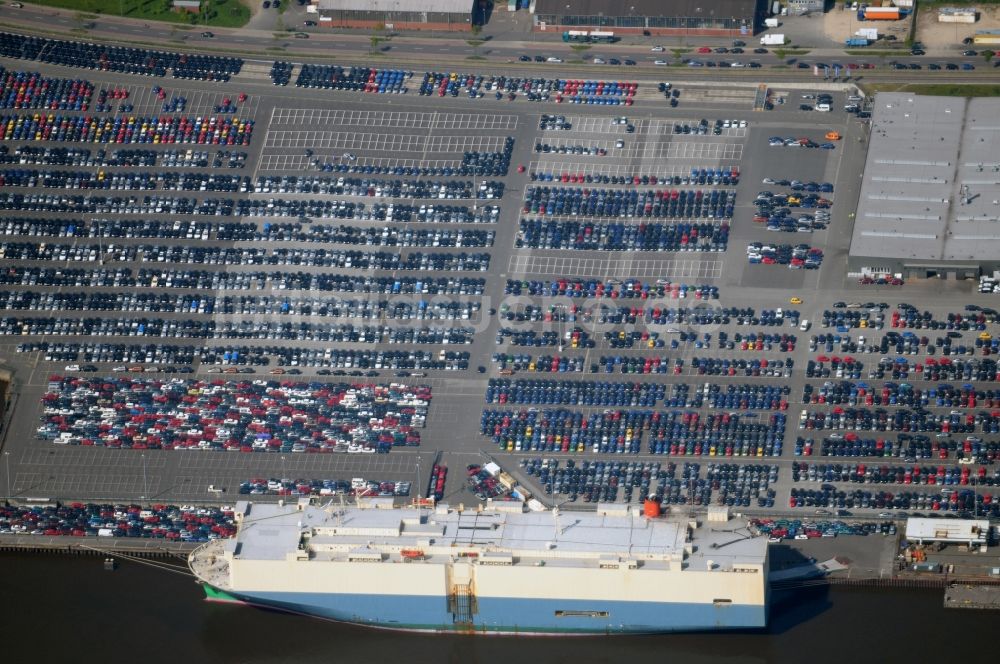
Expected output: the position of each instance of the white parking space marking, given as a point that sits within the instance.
(199, 102)
(345, 140)
(401, 119)
(620, 268)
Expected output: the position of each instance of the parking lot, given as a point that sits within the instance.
(362, 237)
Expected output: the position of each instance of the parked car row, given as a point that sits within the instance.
(510, 363)
(715, 366)
(575, 337)
(29, 155)
(704, 176)
(614, 289)
(150, 357)
(280, 256)
(574, 393)
(123, 59)
(229, 329)
(356, 79)
(799, 257)
(900, 394)
(773, 204)
(185, 523)
(969, 320)
(667, 483)
(30, 90)
(281, 72)
(615, 236)
(589, 150)
(792, 142)
(295, 184)
(91, 204)
(436, 481)
(141, 180)
(871, 474)
(119, 129)
(357, 486)
(966, 502)
(227, 281)
(259, 415)
(779, 529)
(910, 447)
(535, 89)
(904, 419)
(660, 203)
(702, 127)
(621, 431)
(934, 370)
(247, 305)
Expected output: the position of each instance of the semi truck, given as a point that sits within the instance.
(772, 40)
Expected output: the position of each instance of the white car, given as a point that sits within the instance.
(553, 59)
(660, 62)
(599, 61)
(657, 49)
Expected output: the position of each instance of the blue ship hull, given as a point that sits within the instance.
(514, 616)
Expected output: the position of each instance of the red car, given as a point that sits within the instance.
(704, 49)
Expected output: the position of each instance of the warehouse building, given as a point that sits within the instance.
(930, 196)
(971, 532)
(707, 18)
(452, 15)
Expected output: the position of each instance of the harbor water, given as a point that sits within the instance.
(61, 609)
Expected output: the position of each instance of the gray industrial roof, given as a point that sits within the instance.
(931, 188)
(681, 8)
(429, 6)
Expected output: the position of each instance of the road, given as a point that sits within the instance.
(350, 47)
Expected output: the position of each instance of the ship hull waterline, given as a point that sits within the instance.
(674, 617)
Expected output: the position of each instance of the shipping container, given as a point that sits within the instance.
(882, 13)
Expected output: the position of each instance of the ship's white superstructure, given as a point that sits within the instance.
(498, 569)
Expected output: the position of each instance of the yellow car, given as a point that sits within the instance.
(796, 300)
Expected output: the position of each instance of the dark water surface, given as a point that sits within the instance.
(57, 609)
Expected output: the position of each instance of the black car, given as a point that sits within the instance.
(614, 61)
(951, 66)
(525, 58)
(207, 35)
(760, 50)
(935, 67)
(917, 51)
(967, 41)
(539, 58)
(805, 107)
(969, 53)
(630, 62)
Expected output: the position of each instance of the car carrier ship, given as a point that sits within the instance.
(495, 569)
